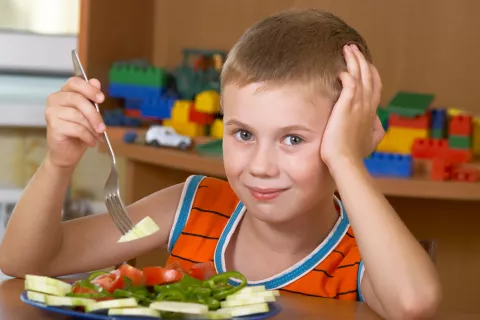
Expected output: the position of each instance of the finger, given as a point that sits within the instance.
(376, 87)
(91, 92)
(74, 115)
(366, 76)
(78, 101)
(352, 63)
(349, 87)
(94, 82)
(74, 130)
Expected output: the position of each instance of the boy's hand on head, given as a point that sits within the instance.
(354, 129)
(73, 123)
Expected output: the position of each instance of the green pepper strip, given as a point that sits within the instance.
(95, 275)
(95, 296)
(171, 295)
(218, 283)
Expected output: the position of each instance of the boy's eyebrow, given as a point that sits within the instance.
(297, 127)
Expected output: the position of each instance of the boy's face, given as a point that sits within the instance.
(271, 149)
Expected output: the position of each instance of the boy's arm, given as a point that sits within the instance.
(37, 242)
(400, 280)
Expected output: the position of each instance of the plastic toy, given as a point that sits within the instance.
(130, 137)
(160, 108)
(389, 165)
(208, 102)
(167, 137)
(441, 169)
(125, 73)
(438, 123)
(216, 129)
(410, 104)
(211, 148)
(116, 118)
(461, 125)
(203, 74)
(382, 114)
(427, 148)
(181, 111)
(200, 117)
(476, 136)
(459, 142)
(416, 122)
(400, 140)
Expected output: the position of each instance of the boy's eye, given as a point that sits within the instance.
(243, 135)
(293, 140)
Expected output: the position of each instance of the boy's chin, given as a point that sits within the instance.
(270, 213)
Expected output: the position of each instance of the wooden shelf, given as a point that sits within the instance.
(213, 166)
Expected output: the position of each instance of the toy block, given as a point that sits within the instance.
(459, 142)
(200, 117)
(438, 119)
(441, 169)
(189, 129)
(457, 156)
(460, 125)
(389, 165)
(382, 114)
(416, 122)
(427, 148)
(208, 102)
(465, 174)
(159, 109)
(133, 113)
(131, 91)
(410, 104)
(437, 133)
(130, 137)
(422, 168)
(454, 112)
(400, 140)
(130, 74)
(133, 104)
(181, 111)
(476, 136)
(216, 129)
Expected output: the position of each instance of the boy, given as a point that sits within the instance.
(299, 100)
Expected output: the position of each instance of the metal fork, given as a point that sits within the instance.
(114, 203)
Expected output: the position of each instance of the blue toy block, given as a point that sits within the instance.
(133, 104)
(131, 91)
(389, 165)
(130, 137)
(439, 118)
(158, 108)
(116, 118)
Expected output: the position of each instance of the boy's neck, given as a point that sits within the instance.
(298, 236)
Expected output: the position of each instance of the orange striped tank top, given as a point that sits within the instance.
(208, 214)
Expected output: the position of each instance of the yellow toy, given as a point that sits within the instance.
(400, 140)
(181, 111)
(208, 102)
(216, 130)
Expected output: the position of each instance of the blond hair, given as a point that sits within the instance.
(298, 46)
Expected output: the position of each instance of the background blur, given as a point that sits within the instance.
(428, 47)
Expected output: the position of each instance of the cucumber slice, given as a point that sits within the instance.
(109, 304)
(47, 285)
(142, 229)
(37, 296)
(180, 307)
(56, 301)
(267, 293)
(211, 315)
(250, 290)
(246, 301)
(245, 310)
(143, 312)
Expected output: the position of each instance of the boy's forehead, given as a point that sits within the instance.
(280, 97)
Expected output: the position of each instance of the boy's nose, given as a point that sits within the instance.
(263, 163)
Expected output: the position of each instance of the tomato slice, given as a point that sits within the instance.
(134, 274)
(159, 275)
(109, 281)
(203, 270)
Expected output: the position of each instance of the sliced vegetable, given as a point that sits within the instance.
(203, 270)
(67, 301)
(221, 288)
(142, 312)
(47, 285)
(144, 228)
(117, 303)
(134, 274)
(180, 307)
(37, 296)
(245, 310)
(159, 275)
(110, 281)
(246, 301)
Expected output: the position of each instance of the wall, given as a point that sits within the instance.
(428, 46)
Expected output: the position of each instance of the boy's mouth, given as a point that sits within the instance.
(265, 194)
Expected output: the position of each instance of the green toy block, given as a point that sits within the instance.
(382, 114)
(211, 148)
(409, 104)
(128, 74)
(438, 133)
(460, 142)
